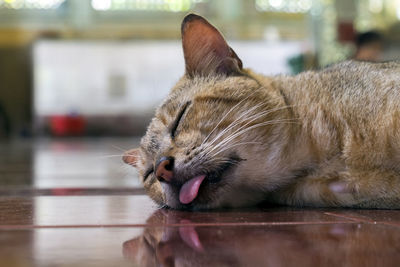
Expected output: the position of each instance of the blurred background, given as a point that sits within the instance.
(80, 80)
(100, 67)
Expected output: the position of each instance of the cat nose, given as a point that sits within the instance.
(164, 169)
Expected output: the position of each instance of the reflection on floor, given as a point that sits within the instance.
(72, 203)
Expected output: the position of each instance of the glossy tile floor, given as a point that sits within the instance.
(73, 203)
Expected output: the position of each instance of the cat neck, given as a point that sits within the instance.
(314, 137)
(308, 94)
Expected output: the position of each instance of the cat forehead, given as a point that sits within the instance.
(217, 84)
(188, 89)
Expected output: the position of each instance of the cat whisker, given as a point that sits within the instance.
(230, 146)
(234, 123)
(107, 156)
(250, 120)
(242, 131)
(233, 108)
(261, 114)
(238, 121)
(119, 148)
(234, 145)
(215, 161)
(258, 125)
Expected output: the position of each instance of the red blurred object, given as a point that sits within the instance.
(346, 32)
(66, 191)
(67, 125)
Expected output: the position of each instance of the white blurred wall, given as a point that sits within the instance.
(123, 78)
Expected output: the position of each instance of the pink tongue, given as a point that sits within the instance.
(190, 189)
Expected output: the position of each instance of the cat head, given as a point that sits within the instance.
(202, 148)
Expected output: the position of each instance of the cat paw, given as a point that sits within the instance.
(341, 187)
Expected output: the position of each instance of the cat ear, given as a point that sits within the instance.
(131, 157)
(205, 49)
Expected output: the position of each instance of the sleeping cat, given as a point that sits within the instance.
(228, 137)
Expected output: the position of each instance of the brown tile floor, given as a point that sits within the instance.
(71, 203)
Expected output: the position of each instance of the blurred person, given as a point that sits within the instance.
(4, 122)
(369, 46)
(302, 62)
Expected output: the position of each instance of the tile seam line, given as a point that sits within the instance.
(353, 218)
(389, 223)
(6, 227)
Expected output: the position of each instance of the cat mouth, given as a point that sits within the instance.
(190, 189)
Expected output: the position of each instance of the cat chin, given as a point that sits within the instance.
(224, 197)
(206, 200)
(171, 200)
(242, 197)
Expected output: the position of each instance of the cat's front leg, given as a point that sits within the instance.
(316, 191)
(354, 188)
(370, 188)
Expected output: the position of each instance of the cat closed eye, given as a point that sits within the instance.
(178, 119)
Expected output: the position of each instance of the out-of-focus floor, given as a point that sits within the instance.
(73, 203)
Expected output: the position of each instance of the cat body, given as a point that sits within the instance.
(228, 137)
(349, 117)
